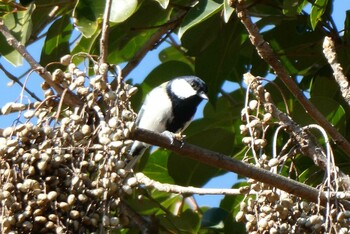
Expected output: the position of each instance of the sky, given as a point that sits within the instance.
(11, 93)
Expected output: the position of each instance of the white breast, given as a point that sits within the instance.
(155, 111)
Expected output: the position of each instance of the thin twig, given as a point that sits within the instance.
(265, 51)
(143, 179)
(104, 37)
(16, 80)
(71, 100)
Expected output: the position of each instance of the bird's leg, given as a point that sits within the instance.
(177, 136)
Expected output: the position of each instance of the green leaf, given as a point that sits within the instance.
(172, 53)
(199, 13)
(86, 14)
(347, 27)
(186, 222)
(214, 218)
(298, 46)
(317, 10)
(329, 107)
(192, 172)
(20, 25)
(290, 7)
(122, 10)
(128, 37)
(217, 62)
(163, 3)
(228, 10)
(156, 166)
(57, 41)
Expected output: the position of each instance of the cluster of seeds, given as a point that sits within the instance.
(271, 210)
(62, 169)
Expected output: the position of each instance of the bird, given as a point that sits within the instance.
(168, 108)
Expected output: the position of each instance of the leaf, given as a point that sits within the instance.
(172, 53)
(298, 46)
(290, 7)
(214, 218)
(122, 10)
(317, 10)
(20, 25)
(329, 107)
(217, 62)
(186, 222)
(156, 166)
(57, 41)
(194, 173)
(198, 14)
(163, 3)
(128, 37)
(228, 10)
(85, 14)
(347, 27)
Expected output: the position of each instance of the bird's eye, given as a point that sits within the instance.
(194, 85)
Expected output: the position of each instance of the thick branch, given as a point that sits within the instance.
(71, 99)
(222, 161)
(266, 53)
(340, 78)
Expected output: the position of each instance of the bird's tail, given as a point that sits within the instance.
(137, 150)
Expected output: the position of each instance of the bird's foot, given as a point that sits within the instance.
(177, 136)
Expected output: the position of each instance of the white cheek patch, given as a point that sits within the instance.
(182, 88)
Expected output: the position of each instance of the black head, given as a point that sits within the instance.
(187, 86)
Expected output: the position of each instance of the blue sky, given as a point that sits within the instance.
(12, 93)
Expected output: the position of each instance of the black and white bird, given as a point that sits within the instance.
(169, 107)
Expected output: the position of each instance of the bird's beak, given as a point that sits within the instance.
(203, 95)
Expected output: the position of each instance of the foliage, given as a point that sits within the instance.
(207, 39)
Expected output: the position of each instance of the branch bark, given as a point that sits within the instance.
(340, 78)
(222, 161)
(266, 53)
(172, 188)
(104, 37)
(71, 100)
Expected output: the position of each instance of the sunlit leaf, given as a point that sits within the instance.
(122, 10)
(228, 10)
(199, 13)
(317, 10)
(86, 14)
(163, 3)
(20, 25)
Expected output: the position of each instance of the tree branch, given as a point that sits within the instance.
(307, 142)
(104, 37)
(71, 100)
(222, 161)
(340, 78)
(172, 188)
(265, 51)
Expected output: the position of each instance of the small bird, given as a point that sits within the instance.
(168, 108)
